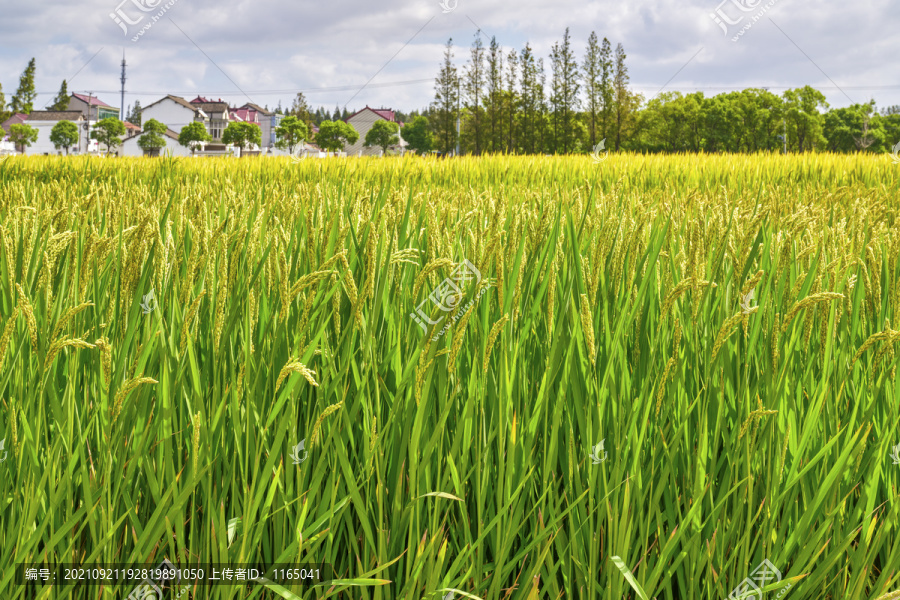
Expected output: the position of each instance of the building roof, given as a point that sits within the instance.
(384, 113)
(92, 100)
(16, 119)
(130, 126)
(55, 115)
(244, 114)
(202, 100)
(176, 100)
(259, 109)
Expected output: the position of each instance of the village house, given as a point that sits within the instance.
(174, 112)
(362, 121)
(44, 121)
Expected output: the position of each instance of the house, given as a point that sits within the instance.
(175, 113)
(247, 115)
(218, 113)
(362, 121)
(130, 128)
(92, 107)
(44, 121)
(130, 145)
(268, 121)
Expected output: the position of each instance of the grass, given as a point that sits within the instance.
(615, 306)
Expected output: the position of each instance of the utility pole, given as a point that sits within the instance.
(458, 96)
(122, 114)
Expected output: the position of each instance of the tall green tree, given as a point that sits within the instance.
(493, 100)
(192, 134)
(417, 135)
(804, 121)
(153, 140)
(510, 100)
(564, 94)
(592, 70)
(134, 114)
(473, 88)
(2, 104)
(445, 103)
(300, 110)
(242, 135)
(107, 132)
(22, 136)
(530, 101)
(61, 102)
(606, 89)
(382, 134)
(334, 135)
(23, 100)
(292, 131)
(624, 100)
(64, 135)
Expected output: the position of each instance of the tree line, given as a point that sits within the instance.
(513, 102)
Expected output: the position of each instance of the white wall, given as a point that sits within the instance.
(172, 114)
(172, 148)
(43, 145)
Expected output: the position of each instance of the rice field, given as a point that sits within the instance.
(493, 378)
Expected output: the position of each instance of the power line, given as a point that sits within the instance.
(341, 88)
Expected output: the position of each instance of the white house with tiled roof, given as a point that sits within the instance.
(130, 145)
(44, 121)
(174, 112)
(98, 109)
(362, 121)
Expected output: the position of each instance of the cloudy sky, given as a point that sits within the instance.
(267, 50)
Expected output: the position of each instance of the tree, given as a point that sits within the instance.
(22, 136)
(606, 89)
(152, 141)
(61, 102)
(300, 109)
(242, 135)
(474, 91)
(444, 106)
(134, 114)
(493, 101)
(333, 135)
(107, 132)
(510, 100)
(4, 114)
(291, 132)
(564, 97)
(64, 135)
(192, 135)
(623, 100)
(804, 121)
(22, 101)
(384, 134)
(418, 136)
(592, 68)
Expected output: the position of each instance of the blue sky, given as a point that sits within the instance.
(266, 50)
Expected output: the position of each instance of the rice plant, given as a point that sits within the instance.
(499, 377)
